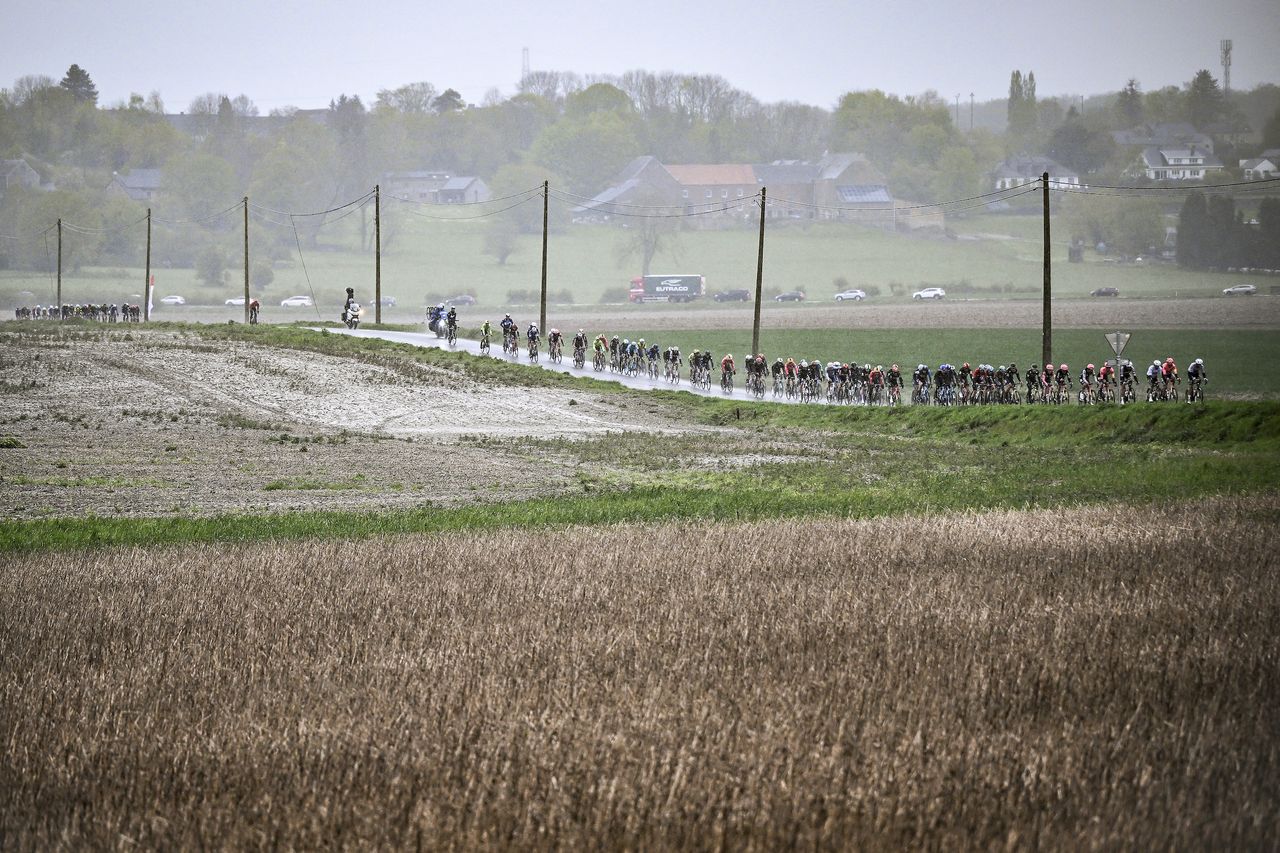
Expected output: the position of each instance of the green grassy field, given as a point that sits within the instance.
(436, 259)
(1236, 359)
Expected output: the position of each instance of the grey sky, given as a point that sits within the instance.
(304, 54)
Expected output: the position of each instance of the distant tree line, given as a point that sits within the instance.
(578, 131)
(1213, 234)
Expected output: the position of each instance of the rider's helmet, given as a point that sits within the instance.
(581, 332)
(1200, 361)
(1088, 367)
(1048, 367)
(441, 306)
(506, 316)
(894, 367)
(880, 368)
(626, 340)
(1169, 360)
(866, 367)
(555, 331)
(1001, 368)
(1063, 367)
(964, 366)
(804, 363)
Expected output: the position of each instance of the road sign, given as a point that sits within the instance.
(1118, 341)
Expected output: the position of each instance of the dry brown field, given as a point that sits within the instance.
(1074, 679)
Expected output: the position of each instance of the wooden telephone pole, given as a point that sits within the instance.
(755, 323)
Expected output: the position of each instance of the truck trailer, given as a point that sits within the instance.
(667, 288)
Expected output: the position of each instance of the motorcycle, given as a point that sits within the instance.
(352, 316)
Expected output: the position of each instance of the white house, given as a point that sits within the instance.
(1178, 163)
(1261, 168)
(17, 173)
(139, 184)
(1017, 171)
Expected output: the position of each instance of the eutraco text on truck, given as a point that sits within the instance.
(667, 288)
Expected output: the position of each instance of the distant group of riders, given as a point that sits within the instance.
(103, 313)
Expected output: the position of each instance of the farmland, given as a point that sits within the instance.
(274, 587)
(828, 683)
(989, 256)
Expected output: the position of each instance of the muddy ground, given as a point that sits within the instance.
(167, 424)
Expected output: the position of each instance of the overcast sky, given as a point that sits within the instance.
(282, 52)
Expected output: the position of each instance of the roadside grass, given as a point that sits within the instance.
(882, 464)
(1237, 359)
(434, 258)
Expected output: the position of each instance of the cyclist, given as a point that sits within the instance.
(652, 354)
(554, 341)
(1197, 372)
(508, 327)
(1087, 377)
(945, 380)
(254, 307)
(876, 378)
(533, 334)
(791, 369)
(614, 346)
(1033, 378)
(758, 366)
(776, 369)
(1063, 377)
(921, 378)
(486, 332)
(1046, 380)
(1169, 371)
(580, 341)
(726, 368)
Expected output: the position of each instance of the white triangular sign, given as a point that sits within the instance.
(1118, 341)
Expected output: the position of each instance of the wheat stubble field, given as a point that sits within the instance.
(1068, 679)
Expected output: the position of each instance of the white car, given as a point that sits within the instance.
(929, 293)
(173, 299)
(239, 300)
(297, 302)
(855, 294)
(1247, 289)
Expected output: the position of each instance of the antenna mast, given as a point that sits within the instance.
(524, 65)
(1225, 47)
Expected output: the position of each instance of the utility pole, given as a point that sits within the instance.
(755, 324)
(957, 110)
(146, 280)
(1046, 321)
(971, 112)
(59, 267)
(377, 253)
(542, 316)
(246, 260)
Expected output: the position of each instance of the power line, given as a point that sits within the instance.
(406, 200)
(364, 197)
(199, 221)
(412, 212)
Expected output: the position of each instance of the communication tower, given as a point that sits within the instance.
(1225, 48)
(524, 65)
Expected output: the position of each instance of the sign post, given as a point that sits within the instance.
(1118, 341)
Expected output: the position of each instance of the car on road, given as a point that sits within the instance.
(239, 300)
(790, 296)
(1245, 289)
(386, 301)
(173, 299)
(740, 295)
(929, 293)
(297, 302)
(855, 294)
(461, 299)
(1105, 291)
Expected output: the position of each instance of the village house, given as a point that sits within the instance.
(1018, 171)
(138, 184)
(18, 173)
(435, 186)
(1263, 167)
(1178, 163)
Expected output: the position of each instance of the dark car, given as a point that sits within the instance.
(790, 296)
(1105, 291)
(733, 296)
(461, 299)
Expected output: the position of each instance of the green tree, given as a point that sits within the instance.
(600, 97)
(647, 237)
(1205, 102)
(197, 186)
(501, 237)
(78, 82)
(211, 266)
(1128, 104)
(1193, 232)
(1165, 105)
(587, 151)
(1078, 146)
(416, 98)
(448, 101)
(1271, 132)
(1023, 112)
